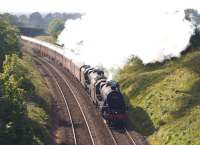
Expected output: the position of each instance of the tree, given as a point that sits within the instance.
(23, 20)
(36, 20)
(9, 39)
(55, 27)
(12, 19)
(13, 129)
(195, 38)
(47, 19)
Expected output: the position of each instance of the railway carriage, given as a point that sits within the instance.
(77, 71)
(72, 67)
(67, 63)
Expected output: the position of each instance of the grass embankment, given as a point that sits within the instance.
(165, 99)
(46, 38)
(38, 105)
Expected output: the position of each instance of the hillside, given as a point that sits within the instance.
(39, 105)
(164, 99)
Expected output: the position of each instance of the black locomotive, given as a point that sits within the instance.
(105, 95)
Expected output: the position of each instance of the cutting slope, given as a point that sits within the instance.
(165, 99)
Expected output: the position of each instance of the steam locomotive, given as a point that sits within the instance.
(104, 94)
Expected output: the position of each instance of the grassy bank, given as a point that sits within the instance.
(40, 103)
(165, 99)
(46, 38)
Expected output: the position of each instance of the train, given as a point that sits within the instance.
(106, 95)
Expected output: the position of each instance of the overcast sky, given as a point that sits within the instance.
(40, 5)
(84, 5)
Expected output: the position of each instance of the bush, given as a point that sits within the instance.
(16, 128)
(55, 27)
(9, 39)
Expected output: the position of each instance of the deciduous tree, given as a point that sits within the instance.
(55, 27)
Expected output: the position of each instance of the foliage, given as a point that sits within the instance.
(55, 27)
(31, 32)
(13, 108)
(9, 39)
(22, 121)
(39, 103)
(64, 16)
(36, 19)
(19, 124)
(164, 98)
(195, 39)
(11, 19)
(36, 23)
(23, 20)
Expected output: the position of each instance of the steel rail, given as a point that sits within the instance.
(129, 136)
(66, 103)
(89, 130)
(111, 134)
(67, 83)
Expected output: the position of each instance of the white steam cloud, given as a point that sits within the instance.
(110, 32)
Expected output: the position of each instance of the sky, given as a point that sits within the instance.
(85, 5)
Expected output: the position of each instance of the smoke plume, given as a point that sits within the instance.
(109, 34)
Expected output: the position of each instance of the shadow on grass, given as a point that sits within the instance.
(190, 98)
(41, 102)
(145, 81)
(193, 63)
(23, 132)
(141, 121)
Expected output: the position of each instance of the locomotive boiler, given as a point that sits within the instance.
(113, 108)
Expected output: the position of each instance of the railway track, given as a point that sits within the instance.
(86, 124)
(122, 137)
(79, 126)
(61, 105)
(118, 137)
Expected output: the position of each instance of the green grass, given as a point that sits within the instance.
(165, 99)
(43, 96)
(46, 38)
(39, 105)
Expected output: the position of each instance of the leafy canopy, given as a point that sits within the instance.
(55, 27)
(9, 39)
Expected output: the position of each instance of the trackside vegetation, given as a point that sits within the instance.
(55, 27)
(164, 98)
(25, 101)
(9, 39)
